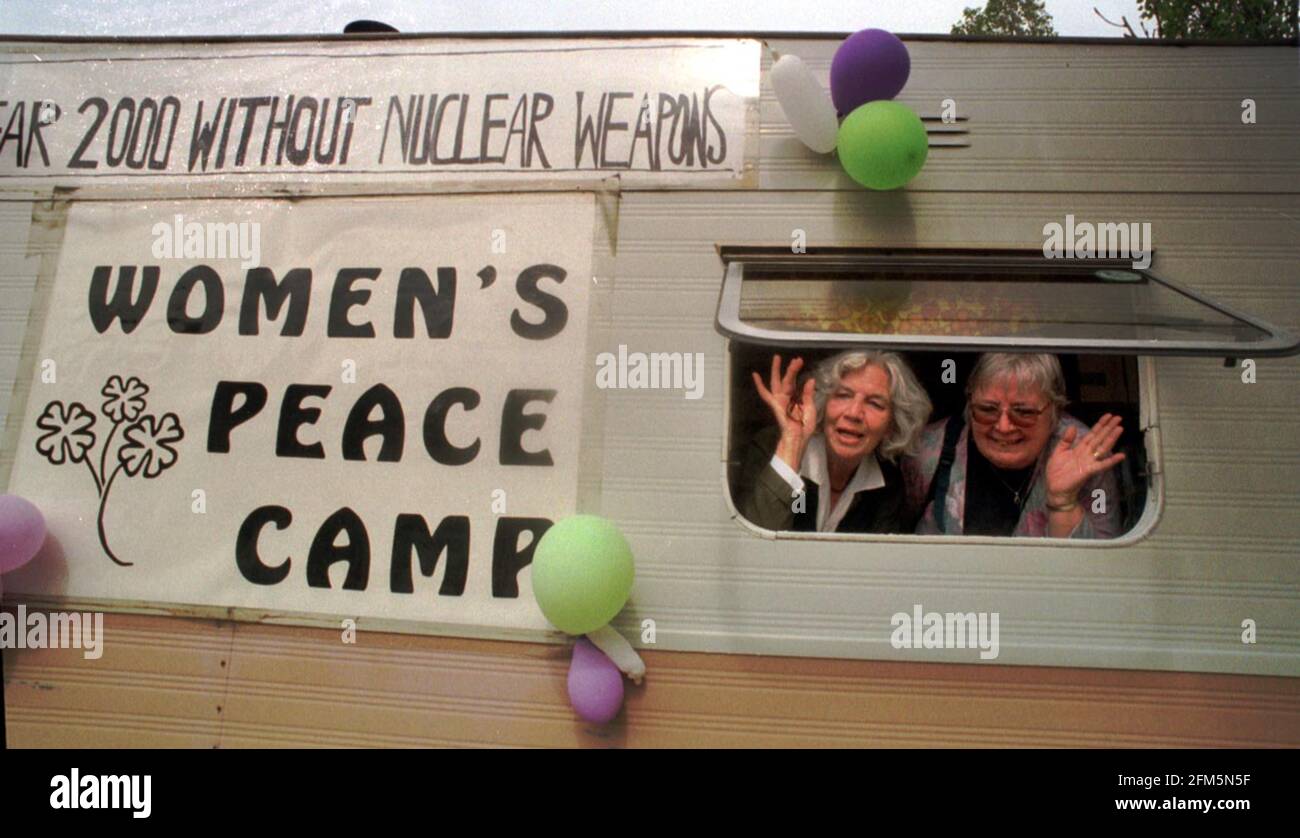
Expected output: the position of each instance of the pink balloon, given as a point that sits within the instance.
(22, 532)
(595, 684)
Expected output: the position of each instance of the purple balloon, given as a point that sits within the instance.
(22, 532)
(595, 684)
(871, 64)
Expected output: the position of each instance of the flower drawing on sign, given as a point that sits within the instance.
(146, 447)
(124, 401)
(67, 433)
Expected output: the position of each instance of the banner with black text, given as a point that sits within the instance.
(362, 407)
(653, 112)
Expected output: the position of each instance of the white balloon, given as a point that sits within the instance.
(807, 106)
(616, 648)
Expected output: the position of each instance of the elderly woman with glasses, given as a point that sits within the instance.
(1015, 463)
(829, 465)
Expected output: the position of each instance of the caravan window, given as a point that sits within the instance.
(940, 310)
(978, 301)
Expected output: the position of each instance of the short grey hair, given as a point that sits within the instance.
(908, 400)
(1041, 371)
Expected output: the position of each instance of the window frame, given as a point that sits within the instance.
(1279, 342)
(1152, 512)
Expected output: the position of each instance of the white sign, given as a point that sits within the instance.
(378, 419)
(653, 112)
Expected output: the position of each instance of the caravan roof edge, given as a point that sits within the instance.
(765, 35)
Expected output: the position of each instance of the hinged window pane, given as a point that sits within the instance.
(979, 300)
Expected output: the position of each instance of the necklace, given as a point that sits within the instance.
(1014, 491)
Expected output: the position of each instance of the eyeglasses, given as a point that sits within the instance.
(987, 413)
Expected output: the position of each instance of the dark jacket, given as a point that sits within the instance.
(765, 499)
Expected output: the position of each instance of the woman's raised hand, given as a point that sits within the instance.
(795, 413)
(1072, 462)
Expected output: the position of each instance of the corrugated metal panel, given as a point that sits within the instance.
(1232, 449)
(170, 682)
(1074, 118)
(1225, 550)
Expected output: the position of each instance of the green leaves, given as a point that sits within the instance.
(1219, 20)
(1244, 20)
(1007, 17)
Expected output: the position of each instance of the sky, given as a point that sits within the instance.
(263, 17)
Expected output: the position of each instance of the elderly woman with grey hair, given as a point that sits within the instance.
(829, 465)
(1014, 463)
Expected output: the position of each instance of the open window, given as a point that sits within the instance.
(980, 301)
(941, 308)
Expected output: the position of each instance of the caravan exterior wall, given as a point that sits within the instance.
(1116, 132)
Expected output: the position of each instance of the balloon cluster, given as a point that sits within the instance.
(582, 575)
(882, 144)
(22, 532)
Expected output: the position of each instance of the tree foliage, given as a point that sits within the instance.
(1006, 17)
(1245, 20)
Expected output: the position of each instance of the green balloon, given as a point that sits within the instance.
(582, 573)
(882, 144)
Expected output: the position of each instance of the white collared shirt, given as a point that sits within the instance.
(867, 477)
